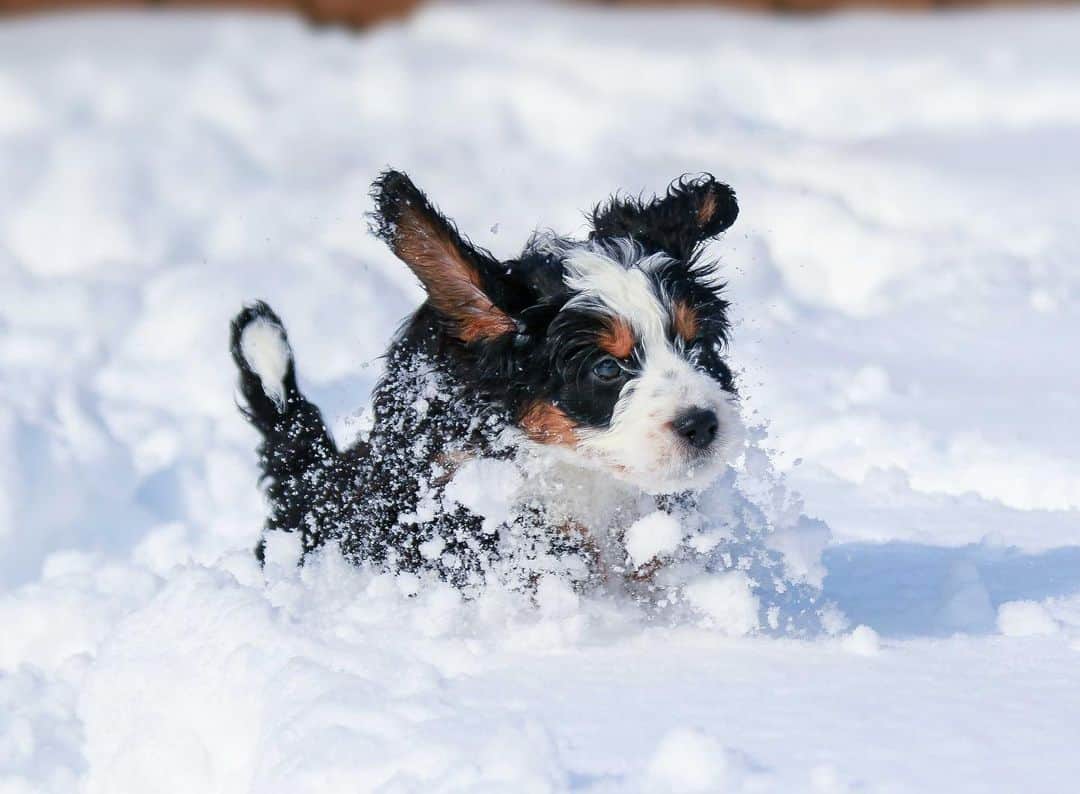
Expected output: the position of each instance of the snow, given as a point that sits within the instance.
(689, 760)
(652, 536)
(863, 641)
(1024, 619)
(727, 600)
(905, 288)
(486, 487)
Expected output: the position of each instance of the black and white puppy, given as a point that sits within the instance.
(594, 367)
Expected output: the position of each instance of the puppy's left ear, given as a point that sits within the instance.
(461, 281)
(694, 209)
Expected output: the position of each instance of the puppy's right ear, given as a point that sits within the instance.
(694, 209)
(460, 280)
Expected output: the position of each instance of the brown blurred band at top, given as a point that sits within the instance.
(359, 13)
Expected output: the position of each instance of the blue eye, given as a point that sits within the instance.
(607, 368)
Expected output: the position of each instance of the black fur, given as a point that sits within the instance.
(445, 398)
(671, 225)
(296, 447)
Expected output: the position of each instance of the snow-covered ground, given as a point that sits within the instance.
(906, 272)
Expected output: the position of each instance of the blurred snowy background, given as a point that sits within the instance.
(905, 277)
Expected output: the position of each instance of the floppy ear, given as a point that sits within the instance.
(694, 209)
(459, 279)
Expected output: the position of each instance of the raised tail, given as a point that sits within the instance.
(300, 462)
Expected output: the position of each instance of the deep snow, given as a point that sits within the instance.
(905, 280)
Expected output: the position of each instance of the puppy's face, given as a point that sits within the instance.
(608, 350)
(637, 382)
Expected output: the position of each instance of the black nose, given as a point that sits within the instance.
(698, 426)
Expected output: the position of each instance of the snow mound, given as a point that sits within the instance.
(1025, 619)
(727, 600)
(863, 641)
(652, 536)
(308, 683)
(689, 761)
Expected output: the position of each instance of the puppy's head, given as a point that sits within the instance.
(609, 350)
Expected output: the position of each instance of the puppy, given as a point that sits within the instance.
(590, 373)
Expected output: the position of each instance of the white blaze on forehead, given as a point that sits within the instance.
(267, 354)
(622, 288)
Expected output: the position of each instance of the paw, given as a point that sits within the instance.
(261, 350)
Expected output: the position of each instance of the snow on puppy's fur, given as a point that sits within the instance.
(604, 356)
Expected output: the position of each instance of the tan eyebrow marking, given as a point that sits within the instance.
(617, 338)
(707, 209)
(684, 319)
(546, 423)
